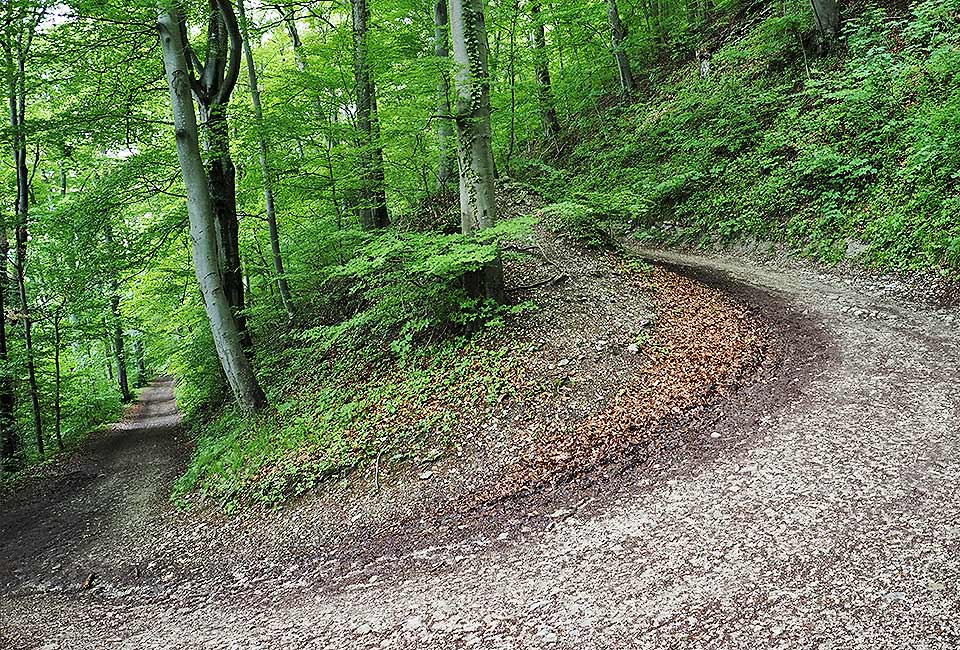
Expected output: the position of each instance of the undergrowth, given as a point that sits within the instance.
(815, 154)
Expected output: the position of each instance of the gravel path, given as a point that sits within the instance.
(827, 519)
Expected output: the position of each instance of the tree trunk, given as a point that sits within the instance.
(221, 179)
(226, 333)
(618, 35)
(9, 435)
(119, 351)
(57, 382)
(140, 355)
(16, 86)
(478, 204)
(826, 15)
(282, 285)
(446, 165)
(373, 211)
(541, 64)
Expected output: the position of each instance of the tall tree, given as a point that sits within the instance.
(447, 162)
(20, 25)
(618, 37)
(270, 207)
(373, 211)
(213, 81)
(116, 324)
(541, 64)
(223, 326)
(478, 202)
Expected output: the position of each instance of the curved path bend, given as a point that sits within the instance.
(830, 520)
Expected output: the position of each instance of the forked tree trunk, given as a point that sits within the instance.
(447, 162)
(618, 37)
(478, 203)
(226, 334)
(271, 210)
(826, 15)
(373, 211)
(541, 64)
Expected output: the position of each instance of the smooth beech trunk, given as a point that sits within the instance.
(447, 161)
(373, 208)
(618, 37)
(541, 64)
(226, 334)
(478, 203)
(826, 15)
(270, 207)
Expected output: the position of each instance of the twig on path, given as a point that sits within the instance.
(557, 279)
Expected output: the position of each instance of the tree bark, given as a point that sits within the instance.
(9, 435)
(826, 15)
(618, 36)
(447, 162)
(15, 52)
(541, 64)
(119, 350)
(478, 204)
(271, 211)
(226, 333)
(57, 382)
(373, 211)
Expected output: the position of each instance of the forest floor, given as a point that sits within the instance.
(809, 499)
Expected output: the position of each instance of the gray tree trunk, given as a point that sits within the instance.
(16, 44)
(119, 350)
(541, 64)
(226, 334)
(826, 15)
(373, 211)
(478, 203)
(447, 162)
(282, 285)
(618, 36)
(9, 435)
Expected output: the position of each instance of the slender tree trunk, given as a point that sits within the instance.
(57, 382)
(618, 36)
(826, 15)
(541, 64)
(282, 285)
(226, 333)
(16, 79)
(373, 212)
(478, 203)
(9, 436)
(119, 351)
(447, 163)
(140, 355)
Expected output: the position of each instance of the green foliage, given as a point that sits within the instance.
(779, 145)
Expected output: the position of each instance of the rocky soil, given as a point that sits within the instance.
(808, 500)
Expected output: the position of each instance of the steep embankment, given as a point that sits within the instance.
(851, 156)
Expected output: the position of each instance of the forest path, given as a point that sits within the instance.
(98, 511)
(829, 518)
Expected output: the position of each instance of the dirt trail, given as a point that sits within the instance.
(829, 518)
